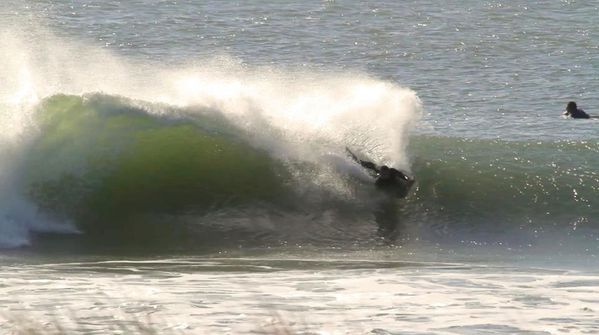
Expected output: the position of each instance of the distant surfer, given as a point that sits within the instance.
(574, 112)
(387, 179)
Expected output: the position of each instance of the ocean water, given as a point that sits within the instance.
(181, 167)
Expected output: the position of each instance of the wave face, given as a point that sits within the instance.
(498, 185)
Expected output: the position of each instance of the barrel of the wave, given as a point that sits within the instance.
(113, 168)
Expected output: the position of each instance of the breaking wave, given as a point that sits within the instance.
(95, 144)
(220, 153)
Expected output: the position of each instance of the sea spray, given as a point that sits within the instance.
(310, 112)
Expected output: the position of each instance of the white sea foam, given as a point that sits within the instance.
(414, 298)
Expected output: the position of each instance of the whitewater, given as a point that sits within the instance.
(182, 167)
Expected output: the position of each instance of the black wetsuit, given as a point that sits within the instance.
(578, 114)
(390, 179)
(394, 181)
(387, 179)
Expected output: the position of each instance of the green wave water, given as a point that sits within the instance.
(107, 165)
(499, 184)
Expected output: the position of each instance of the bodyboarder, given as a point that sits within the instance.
(388, 179)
